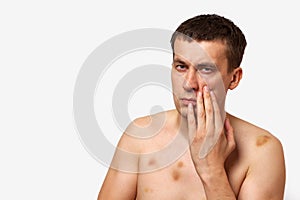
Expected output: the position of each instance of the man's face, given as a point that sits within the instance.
(196, 64)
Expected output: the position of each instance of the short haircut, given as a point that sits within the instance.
(212, 27)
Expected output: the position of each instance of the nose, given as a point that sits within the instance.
(192, 81)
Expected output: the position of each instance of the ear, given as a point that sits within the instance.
(237, 75)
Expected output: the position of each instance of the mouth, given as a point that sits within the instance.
(187, 101)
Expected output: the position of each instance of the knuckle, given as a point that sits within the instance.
(201, 114)
(206, 94)
(191, 121)
(209, 110)
(198, 138)
(217, 111)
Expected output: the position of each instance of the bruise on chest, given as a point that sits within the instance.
(177, 171)
(152, 162)
(176, 181)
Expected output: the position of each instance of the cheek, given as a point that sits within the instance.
(177, 82)
(216, 84)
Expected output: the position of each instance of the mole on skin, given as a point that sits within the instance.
(261, 140)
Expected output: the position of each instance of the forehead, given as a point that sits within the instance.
(204, 51)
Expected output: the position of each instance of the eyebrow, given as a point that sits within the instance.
(200, 65)
(207, 64)
(178, 60)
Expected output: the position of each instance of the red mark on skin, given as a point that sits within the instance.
(152, 161)
(180, 164)
(261, 140)
(175, 175)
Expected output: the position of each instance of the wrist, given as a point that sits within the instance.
(212, 174)
(216, 184)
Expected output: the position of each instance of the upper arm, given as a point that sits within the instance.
(121, 179)
(118, 185)
(266, 174)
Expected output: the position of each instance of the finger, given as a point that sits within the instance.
(191, 122)
(209, 115)
(218, 121)
(200, 113)
(229, 134)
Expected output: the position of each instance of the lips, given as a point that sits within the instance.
(187, 101)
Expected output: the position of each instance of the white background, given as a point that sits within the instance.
(43, 45)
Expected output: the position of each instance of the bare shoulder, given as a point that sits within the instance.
(136, 140)
(252, 136)
(262, 155)
(147, 126)
(145, 129)
(125, 165)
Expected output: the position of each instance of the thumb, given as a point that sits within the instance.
(229, 133)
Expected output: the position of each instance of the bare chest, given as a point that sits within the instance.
(179, 180)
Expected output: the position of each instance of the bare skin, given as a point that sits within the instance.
(243, 161)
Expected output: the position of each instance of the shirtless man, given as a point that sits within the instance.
(198, 151)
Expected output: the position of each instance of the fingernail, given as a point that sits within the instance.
(206, 89)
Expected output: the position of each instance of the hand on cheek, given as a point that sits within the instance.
(210, 144)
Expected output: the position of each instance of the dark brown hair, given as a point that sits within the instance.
(214, 27)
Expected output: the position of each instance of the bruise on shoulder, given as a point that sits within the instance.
(262, 140)
(148, 190)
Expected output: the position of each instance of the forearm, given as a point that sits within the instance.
(217, 186)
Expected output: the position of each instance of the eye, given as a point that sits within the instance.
(206, 69)
(180, 67)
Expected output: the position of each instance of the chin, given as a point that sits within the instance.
(182, 110)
